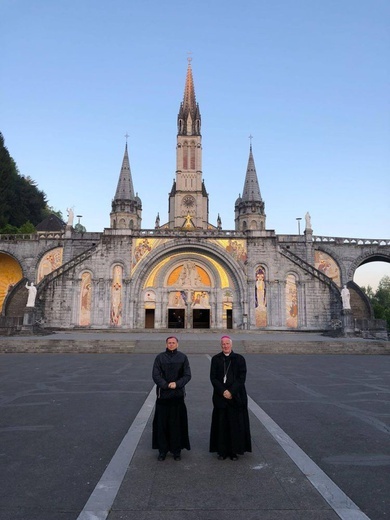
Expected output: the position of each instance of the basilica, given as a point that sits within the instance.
(185, 272)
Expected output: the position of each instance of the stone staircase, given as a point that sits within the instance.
(150, 344)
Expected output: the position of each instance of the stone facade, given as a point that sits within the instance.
(186, 273)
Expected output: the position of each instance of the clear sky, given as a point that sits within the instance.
(308, 79)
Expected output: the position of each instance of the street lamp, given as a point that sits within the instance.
(299, 224)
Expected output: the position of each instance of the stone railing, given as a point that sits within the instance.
(164, 232)
(353, 241)
(64, 268)
(42, 235)
(309, 268)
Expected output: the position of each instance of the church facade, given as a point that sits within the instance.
(186, 272)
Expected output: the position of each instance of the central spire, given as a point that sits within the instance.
(188, 198)
(188, 120)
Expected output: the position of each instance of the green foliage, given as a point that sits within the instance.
(80, 228)
(380, 300)
(21, 202)
(27, 228)
(49, 210)
(9, 230)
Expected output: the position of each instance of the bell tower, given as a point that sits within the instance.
(188, 199)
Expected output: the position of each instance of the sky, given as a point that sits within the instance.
(308, 79)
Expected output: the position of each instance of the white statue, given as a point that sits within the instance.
(32, 294)
(70, 216)
(308, 220)
(345, 296)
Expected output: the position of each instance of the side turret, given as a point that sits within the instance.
(249, 208)
(126, 207)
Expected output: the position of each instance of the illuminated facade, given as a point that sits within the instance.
(185, 273)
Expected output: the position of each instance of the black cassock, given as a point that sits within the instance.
(170, 422)
(230, 430)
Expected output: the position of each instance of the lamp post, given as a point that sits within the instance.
(79, 217)
(299, 224)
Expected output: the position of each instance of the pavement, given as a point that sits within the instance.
(276, 481)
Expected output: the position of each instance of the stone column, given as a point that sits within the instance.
(28, 320)
(347, 321)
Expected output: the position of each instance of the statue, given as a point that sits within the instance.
(219, 222)
(308, 220)
(32, 294)
(345, 296)
(70, 216)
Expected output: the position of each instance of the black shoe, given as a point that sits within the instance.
(161, 456)
(233, 456)
(221, 457)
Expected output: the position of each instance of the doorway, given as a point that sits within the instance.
(201, 318)
(149, 318)
(176, 318)
(229, 318)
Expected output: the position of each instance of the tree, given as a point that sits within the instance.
(380, 300)
(20, 199)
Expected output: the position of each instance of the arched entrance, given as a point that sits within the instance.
(192, 290)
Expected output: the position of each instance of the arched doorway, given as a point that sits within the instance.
(192, 290)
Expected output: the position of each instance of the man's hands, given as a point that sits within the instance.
(172, 386)
(227, 395)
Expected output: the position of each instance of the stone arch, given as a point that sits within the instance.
(154, 272)
(48, 262)
(365, 259)
(124, 265)
(329, 264)
(10, 274)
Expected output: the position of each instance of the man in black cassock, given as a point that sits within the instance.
(171, 372)
(230, 432)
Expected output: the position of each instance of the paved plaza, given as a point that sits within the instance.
(75, 436)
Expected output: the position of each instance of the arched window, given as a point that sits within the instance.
(291, 302)
(260, 297)
(116, 296)
(185, 156)
(85, 299)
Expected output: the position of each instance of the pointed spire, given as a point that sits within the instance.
(249, 209)
(125, 190)
(126, 208)
(189, 100)
(189, 120)
(251, 191)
